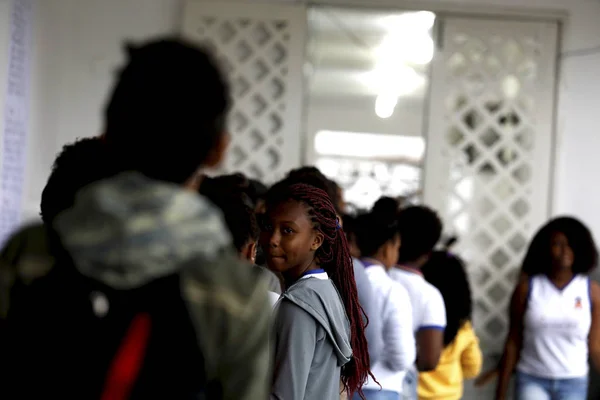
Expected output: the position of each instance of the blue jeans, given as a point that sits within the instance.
(373, 394)
(530, 387)
(410, 385)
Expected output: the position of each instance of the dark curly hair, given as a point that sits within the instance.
(447, 273)
(79, 164)
(538, 259)
(420, 230)
(167, 110)
(334, 257)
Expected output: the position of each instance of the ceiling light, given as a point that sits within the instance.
(394, 80)
(406, 47)
(385, 105)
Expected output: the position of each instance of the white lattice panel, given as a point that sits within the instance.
(489, 150)
(261, 49)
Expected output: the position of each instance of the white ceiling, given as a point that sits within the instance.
(342, 51)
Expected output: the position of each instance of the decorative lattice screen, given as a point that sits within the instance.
(489, 151)
(261, 49)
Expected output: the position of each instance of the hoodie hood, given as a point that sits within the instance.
(321, 300)
(128, 230)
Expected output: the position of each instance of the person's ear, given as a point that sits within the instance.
(317, 241)
(252, 249)
(217, 153)
(248, 252)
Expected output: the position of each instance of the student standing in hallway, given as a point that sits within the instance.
(318, 324)
(379, 241)
(461, 358)
(554, 316)
(420, 229)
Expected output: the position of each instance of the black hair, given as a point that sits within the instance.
(228, 192)
(79, 164)
(221, 188)
(373, 231)
(349, 222)
(420, 229)
(447, 273)
(167, 111)
(256, 190)
(310, 175)
(226, 185)
(538, 259)
(387, 205)
(240, 219)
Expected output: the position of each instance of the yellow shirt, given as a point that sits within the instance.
(460, 360)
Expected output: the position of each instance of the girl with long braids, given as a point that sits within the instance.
(318, 324)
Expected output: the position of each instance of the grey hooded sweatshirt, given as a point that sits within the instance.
(312, 342)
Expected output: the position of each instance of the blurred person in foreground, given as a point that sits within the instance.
(142, 294)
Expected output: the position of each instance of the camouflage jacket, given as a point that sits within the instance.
(128, 231)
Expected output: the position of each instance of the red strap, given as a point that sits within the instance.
(127, 363)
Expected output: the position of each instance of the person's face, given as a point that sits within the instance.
(562, 254)
(391, 252)
(289, 239)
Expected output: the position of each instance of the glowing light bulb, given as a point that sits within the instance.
(385, 105)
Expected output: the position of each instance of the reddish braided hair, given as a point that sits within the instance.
(334, 257)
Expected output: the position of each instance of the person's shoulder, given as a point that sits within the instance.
(594, 288)
(25, 257)
(399, 292)
(402, 276)
(433, 294)
(314, 294)
(225, 281)
(467, 328)
(273, 282)
(359, 267)
(312, 286)
(466, 334)
(28, 250)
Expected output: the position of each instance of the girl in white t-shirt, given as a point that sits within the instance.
(554, 316)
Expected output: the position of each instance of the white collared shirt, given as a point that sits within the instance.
(399, 348)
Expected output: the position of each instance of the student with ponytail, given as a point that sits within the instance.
(318, 325)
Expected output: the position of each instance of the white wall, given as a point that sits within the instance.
(77, 51)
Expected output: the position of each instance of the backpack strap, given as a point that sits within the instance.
(127, 363)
